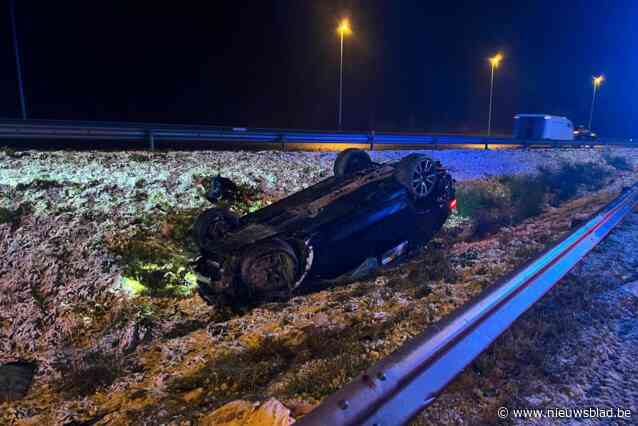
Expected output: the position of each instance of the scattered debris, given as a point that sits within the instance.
(15, 380)
(269, 413)
(13, 217)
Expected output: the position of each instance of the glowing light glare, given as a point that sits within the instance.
(453, 204)
(496, 60)
(598, 80)
(344, 27)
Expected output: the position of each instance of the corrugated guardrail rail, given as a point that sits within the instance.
(157, 135)
(400, 386)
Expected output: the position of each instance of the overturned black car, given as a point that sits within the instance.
(366, 215)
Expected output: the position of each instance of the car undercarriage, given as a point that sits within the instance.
(367, 215)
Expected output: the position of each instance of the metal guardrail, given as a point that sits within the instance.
(156, 135)
(398, 387)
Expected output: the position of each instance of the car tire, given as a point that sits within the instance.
(270, 268)
(351, 160)
(417, 173)
(212, 225)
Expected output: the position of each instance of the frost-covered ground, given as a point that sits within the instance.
(168, 177)
(577, 349)
(594, 361)
(72, 221)
(107, 181)
(474, 164)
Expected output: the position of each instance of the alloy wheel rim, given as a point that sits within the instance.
(423, 178)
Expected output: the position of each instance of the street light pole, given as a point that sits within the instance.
(14, 33)
(343, 30)
(494, 61)
(340, 82)
(597, 81)
(489, 115)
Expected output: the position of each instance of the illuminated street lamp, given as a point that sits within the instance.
(343, 29)
(597, 81)
(494, 62)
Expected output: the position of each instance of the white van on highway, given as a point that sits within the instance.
(541, 126)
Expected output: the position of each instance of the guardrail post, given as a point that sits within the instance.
(151, 140)
(282, 139)
(371, 139)
(485, 141)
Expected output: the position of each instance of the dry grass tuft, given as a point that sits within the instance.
(509, 200)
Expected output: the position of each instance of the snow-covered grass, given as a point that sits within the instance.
(107, 181)
(475, 164)
(77, 222)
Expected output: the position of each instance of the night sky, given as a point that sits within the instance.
(410, 65)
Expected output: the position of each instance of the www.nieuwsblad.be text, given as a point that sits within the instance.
(564, 413)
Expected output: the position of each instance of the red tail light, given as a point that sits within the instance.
(453, 204)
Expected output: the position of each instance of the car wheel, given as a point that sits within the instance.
(351, 160)
(212, 225)
(270, 267)
(417, 174)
